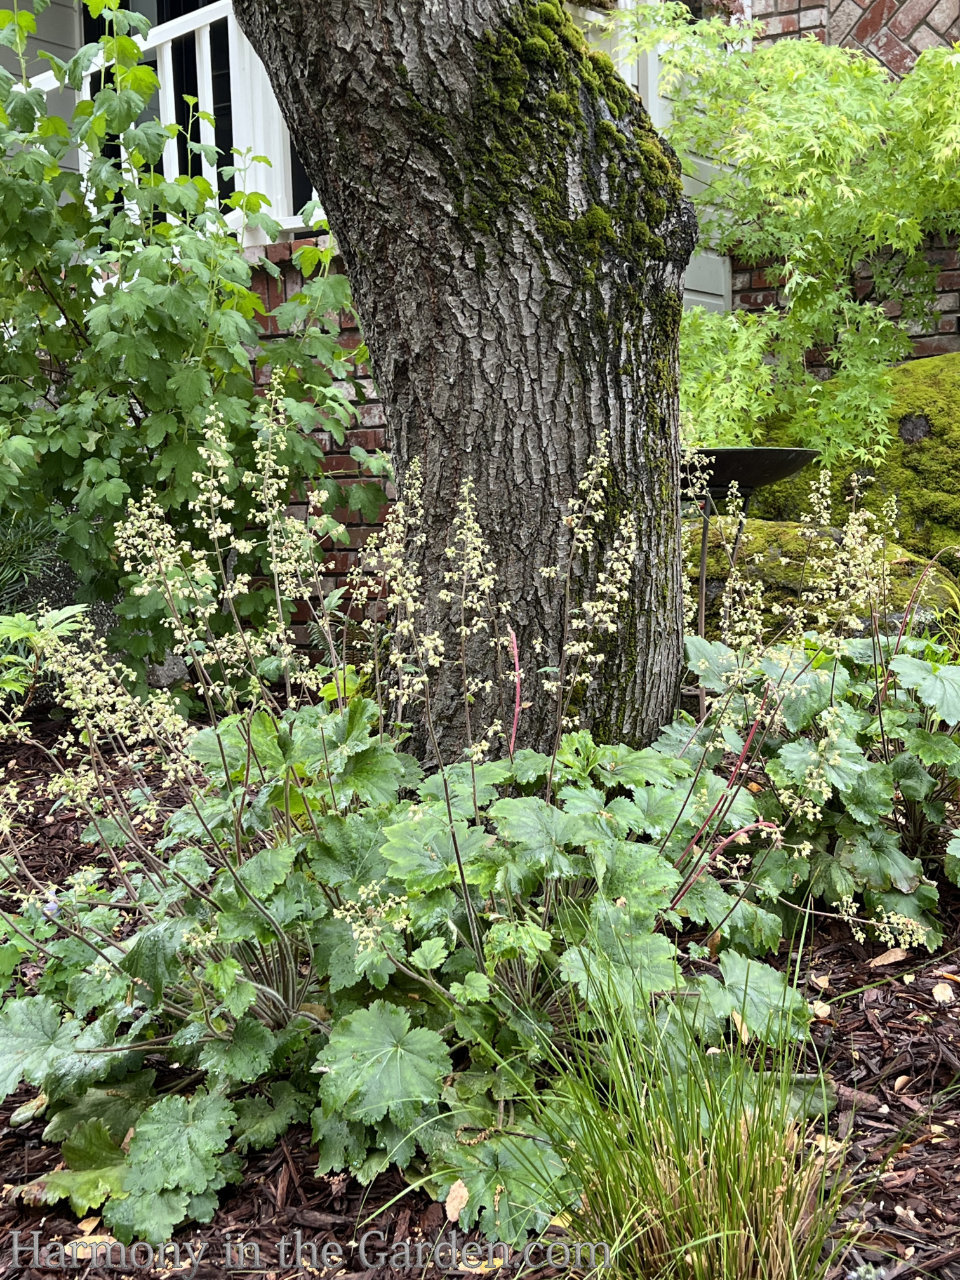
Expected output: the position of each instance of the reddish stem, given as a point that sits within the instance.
(733, 775)
(712, 856)
(516, 702)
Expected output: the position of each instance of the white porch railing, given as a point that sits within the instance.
(258, 126)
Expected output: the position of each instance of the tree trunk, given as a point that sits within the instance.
(515, 235)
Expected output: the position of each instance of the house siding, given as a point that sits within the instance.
(58, 32)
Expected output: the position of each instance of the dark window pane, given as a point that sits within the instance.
(302, 186)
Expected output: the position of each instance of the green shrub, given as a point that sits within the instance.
(850, 718)
(919, 468)
(23, 643)
(28, 561)
(129, 319)
(860, 754)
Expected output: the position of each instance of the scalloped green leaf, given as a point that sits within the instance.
(376, 1065)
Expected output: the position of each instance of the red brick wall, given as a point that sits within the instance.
(792, 17)
(894, 32)
(755, 288)
(368, 431)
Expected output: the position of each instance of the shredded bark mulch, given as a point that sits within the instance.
(890, 1039)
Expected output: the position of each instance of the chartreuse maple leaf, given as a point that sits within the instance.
(152, 958)
(245, 1055)
(510, 1180)
(541, 828)
(763, 999)
(376, 1065)
(649, 964)
(423, 854)
(262, 1120)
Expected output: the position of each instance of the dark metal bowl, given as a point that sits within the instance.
(752, 467)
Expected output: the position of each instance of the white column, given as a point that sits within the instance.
(259, 127)
(205, 101)
(168, 109)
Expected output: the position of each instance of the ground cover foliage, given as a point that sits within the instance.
(286, 917)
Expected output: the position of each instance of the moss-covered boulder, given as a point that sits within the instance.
(921, 468)
(776, 553)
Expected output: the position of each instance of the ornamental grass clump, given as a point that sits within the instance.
(694, 1162)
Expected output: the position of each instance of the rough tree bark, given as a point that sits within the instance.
(515, 235)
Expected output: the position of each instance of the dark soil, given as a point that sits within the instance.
(891, 1043)
(888, 1034)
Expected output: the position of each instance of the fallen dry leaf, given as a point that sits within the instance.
(893, 956)
(829, 1146)
(819, 981)
(820, 1009)
(482, 1267)
(943, 993)
(900, 1084)
(456, 1200)
(907, 978)
(741, 1026)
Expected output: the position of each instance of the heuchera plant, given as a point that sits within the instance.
(288, 917)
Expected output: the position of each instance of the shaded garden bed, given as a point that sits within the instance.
(887, 1029)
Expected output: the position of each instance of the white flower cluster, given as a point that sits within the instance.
(845, 577)
(198, 578)
(386, 585)
(741, 608)
(372, 914)
(892, 928)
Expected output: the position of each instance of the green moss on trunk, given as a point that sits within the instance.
(546, 106)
